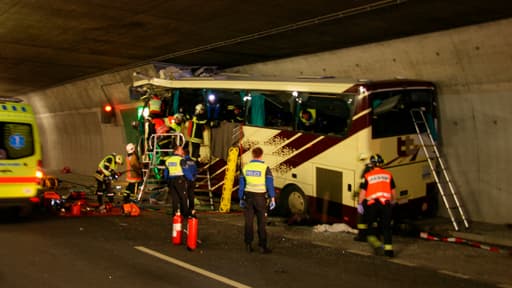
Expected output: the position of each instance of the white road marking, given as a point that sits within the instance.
(192, 267)
(454, 274)
(359, 252)
(402, 262)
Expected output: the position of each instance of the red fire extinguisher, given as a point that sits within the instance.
(176, 229)
(192, 234)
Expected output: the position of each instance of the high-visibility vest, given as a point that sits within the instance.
(155, 105)
(105, 166)
(173, 166)
(254, 173)
(379, 185)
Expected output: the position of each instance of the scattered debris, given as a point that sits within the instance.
(338, 227)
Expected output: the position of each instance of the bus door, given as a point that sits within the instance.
(334, 189)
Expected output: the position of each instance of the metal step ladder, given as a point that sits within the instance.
(438, 169)
(151, 159)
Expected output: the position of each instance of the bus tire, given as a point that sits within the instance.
(292, 201)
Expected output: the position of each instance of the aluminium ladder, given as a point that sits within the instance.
(438, 169)
(151, 158)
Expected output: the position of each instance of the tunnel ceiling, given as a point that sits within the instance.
(45, 43)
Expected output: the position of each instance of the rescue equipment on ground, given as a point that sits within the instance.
(192, 233)
(427, 236)
(130, 209)
(176, 229)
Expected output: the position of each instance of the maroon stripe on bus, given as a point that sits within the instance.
(300, 142)
(285, 134)
(311, 151)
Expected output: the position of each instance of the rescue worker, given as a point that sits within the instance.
(134, 172)
(362, 226)
(378, 189)
(106, 172)
(176, 182)
(256, 182)
(306, 120)
(190, 173)
(177, 123)
(236, 115)
(199, 122)
(155, 105)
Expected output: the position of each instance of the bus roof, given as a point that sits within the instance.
(303, 85)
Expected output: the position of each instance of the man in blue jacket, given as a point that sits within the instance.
(256, 181)
(190, 173)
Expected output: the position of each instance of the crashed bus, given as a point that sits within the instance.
(316, 159)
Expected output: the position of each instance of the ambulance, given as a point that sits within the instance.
(21, 173)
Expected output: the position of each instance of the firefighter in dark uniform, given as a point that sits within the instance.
(176, 182)
(378, 189)
(199, 122)
(362, 226)
(256, 181)
(104, 174)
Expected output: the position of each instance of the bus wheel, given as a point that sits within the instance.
(293, 201)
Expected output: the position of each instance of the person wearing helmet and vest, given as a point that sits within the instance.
(256, 182)
(176, 181)
(199, 122)
(107, 170)
(307, 120)
(176, 122)
(378, 189)
(134, 172)
(155, 105)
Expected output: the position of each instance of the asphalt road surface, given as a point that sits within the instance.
(117, 251)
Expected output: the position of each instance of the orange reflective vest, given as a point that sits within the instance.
(379, 185)
(160, 126)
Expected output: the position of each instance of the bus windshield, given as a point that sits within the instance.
(328, 114)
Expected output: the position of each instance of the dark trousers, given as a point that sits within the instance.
(195, 151)
(379, 213)
(130, 190)
(178, 189)
(191, 185)
(104, 187)
(256, 205)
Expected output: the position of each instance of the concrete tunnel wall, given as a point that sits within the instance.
(470, 65)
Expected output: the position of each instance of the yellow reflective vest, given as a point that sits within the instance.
(173, 165)
(255, 173)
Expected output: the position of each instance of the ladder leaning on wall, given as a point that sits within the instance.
(438, 169)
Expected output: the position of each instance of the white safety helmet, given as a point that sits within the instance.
(179, 117)
(199, 108)
(130, 148)
(119, 159)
